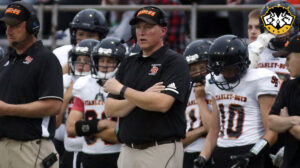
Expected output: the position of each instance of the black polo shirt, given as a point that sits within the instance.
(289, 96)
(34, 75)
(140, 73)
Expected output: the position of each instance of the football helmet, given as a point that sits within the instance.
(226, 53)
(109, 47)
(197, 51)
(84, 48)
(279, 41)
(89, 20)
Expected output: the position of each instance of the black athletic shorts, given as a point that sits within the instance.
(221, 157)
(100, 160)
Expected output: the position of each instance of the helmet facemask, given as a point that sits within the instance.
(81, 66)
(106, 57)
(227, 83)
(80, 58)
(198, 71)
(104, 72)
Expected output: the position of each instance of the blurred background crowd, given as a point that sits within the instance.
(210, 24)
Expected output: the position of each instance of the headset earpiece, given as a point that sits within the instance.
(32, 23)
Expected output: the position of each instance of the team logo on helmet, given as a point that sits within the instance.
(278, 19)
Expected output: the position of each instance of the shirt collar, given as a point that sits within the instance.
(30, 51)
(157, 54)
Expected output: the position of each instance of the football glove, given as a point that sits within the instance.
(244, 159)
(277, 159)
(86, 128)
(200, 162)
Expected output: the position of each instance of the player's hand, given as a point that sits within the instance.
(242, 160)
(200, 91)
(86, 128)
(113, 86)
(200, 162)
(157, 87)
(277, 160)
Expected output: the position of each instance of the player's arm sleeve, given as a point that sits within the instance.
(176, 78)
(50, 79)
(280, 100)
(268, 85)
(78, 105)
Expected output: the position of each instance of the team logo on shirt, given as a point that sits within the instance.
(28, 60)
(278, 19)
(154, 69)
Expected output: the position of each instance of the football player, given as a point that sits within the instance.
(196, 54)
(87, 24)
(87, 118)
(241, 100)
(261, 52)
(264, 53)
(80, 62)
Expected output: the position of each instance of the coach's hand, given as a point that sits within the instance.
(157, 87)
(200, 162)
(86, 128)
(113, 86)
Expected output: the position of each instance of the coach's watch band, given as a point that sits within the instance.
(123, 91)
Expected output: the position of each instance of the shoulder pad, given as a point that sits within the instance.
(62, 54)
(67, 80)
(80, 84)
(58, 51)
(258, 73)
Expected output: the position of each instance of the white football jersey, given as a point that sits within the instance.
(240, 117)
(93, 97)
(193, 120)
(62, 54)
(275, 64)
(71, 144)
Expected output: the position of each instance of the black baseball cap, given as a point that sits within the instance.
(150, 14)
(15, 14)
(292, 45)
